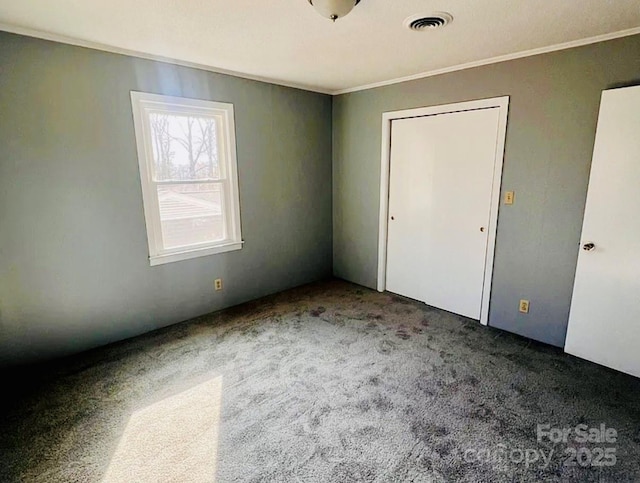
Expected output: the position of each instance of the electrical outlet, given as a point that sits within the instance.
(217, 283)
(524, 306)
(509, 197)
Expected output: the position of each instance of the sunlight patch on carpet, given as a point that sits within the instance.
(174, 439)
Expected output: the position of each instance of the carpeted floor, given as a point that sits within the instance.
(327, 382)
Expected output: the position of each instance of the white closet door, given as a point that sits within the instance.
(440, 192)
(604, 323)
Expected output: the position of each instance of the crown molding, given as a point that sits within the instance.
(15, 29)
(334, 92)
(494, 60)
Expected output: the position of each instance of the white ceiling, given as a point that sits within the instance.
(287, 42)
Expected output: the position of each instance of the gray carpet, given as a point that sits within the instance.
(327, 382)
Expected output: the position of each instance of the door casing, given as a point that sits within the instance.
(502, 103)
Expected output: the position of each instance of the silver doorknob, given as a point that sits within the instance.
(588, 247)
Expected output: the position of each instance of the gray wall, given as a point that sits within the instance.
(552, 118)
(73, 252)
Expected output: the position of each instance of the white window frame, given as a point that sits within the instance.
(143, 103)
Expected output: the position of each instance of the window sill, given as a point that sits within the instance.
(193, 253)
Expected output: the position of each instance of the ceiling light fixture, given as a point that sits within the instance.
(334, 9)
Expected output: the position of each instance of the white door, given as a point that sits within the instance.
(604, 323)
(440, 194)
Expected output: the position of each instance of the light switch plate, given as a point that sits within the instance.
(509, 197)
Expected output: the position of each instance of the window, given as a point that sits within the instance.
(188, 169)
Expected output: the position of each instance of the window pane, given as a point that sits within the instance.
(191, 214)
(184, 147)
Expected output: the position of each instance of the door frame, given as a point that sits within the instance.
(502, 103)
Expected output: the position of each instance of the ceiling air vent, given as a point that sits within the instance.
(419, 23)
